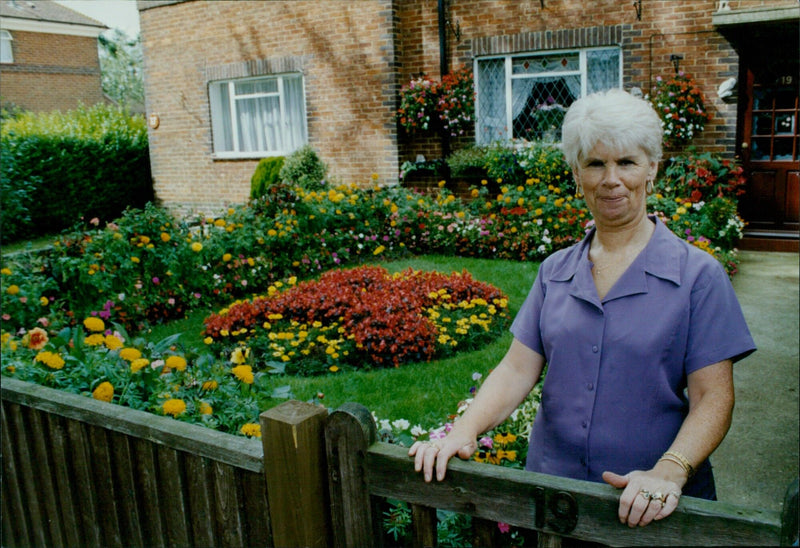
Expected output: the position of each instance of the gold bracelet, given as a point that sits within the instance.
(679, 459)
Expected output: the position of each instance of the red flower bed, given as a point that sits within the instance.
(384, 315)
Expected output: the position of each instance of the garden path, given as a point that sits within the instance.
(759, 457)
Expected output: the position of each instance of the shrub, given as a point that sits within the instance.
(267, 174)
(468, 161)
(702, 176)
(304, 168)
(86, 163)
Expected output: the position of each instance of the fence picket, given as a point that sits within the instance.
(349, 432)
(423, 520)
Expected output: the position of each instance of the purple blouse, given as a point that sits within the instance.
(613, 396)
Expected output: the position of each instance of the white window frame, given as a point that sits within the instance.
(7, 47)
(217, 121)
(509, 76)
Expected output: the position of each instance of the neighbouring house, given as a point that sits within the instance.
(230, 82)
(48, 57)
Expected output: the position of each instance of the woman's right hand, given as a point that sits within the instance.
(430, 454)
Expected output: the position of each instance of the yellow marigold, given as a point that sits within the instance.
(206, 409)
(165, 237)
(94, 324)
(112, 342)
(135, 260)
(197, 247)
(44, 301)
(208, 340)
(378, 250)
(130, 354)
(244, 373)
(36, 338)
(50, 359)
(104, 391)
(12, 289)
(6, 271)
(505, 438)
(251, 429)
(174, 407)
(176, 362)
(227, 257)
(95, 339)
(210, 385)
(139, 364)
(240, 355)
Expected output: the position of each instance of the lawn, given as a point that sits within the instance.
(422, 393)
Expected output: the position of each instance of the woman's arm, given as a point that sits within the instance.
(711, 401)
(501, 393)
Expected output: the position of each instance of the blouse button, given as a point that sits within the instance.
(595, 348)
(589, 386)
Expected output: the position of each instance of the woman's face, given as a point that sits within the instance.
(614, 184)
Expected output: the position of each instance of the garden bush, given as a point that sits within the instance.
(61, 168)
(267, 174)
(304, 168)
(468, 161)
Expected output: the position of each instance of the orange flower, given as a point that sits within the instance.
(37, 338)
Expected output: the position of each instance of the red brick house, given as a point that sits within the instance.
(230, 82)
(48, 56)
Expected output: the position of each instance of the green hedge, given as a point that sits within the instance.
(61, 168)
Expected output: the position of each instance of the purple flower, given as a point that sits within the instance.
(156, 281)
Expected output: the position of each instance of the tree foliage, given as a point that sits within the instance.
(121, 64)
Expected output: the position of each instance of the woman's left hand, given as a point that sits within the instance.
(646, 496)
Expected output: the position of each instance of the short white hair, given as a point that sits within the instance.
(614, 117)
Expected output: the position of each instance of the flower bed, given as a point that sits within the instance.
(359, 318)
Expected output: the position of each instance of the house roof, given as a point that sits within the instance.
(45, 12)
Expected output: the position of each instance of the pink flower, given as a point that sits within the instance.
(486, 441)
(156, 281)
(504, 527)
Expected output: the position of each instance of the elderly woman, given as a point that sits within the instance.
(639, 331)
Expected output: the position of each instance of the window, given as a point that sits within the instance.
(525, 96)
(256, 117)
(6, 53)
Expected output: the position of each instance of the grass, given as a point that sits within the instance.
(422, 393)
(29, 245)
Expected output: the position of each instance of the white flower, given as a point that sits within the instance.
(417, 431)
(401, 424)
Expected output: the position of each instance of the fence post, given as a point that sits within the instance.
(294, 467)
(349, 432)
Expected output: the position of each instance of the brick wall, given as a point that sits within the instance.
(346, 55)
(51, 72)
(356, 55)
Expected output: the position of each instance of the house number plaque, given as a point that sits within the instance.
(555, 509)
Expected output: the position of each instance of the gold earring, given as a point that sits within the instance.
(649, 186)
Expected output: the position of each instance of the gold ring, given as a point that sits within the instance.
(646, 494)
(660, 497)
(674, 494)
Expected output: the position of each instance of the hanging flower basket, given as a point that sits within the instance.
(429, 106)
(680, 104)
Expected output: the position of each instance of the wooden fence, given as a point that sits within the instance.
(78, 472)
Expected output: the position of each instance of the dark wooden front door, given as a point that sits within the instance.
(770, 146)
